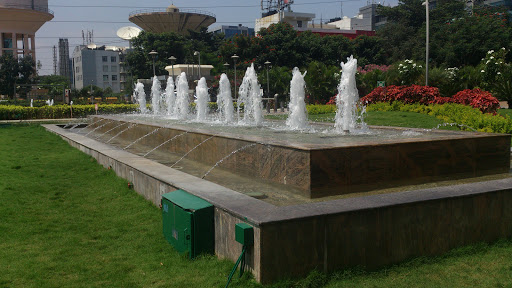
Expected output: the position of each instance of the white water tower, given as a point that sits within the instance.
(20, 21)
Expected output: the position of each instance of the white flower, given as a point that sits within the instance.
(413, 65)
(482, 71)
(499, 73)
(492, 57)
(490, 51)
(400, 65)
(502, 48)
(487, 62)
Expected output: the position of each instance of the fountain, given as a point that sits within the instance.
(170, 97)
(224, 100)
(182, 99)
(156, 96)
(298, 115)
(140, 97)
(250, 98)
(202, 100)
(335, 199)
(346, 100)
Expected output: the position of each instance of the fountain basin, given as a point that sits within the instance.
(322, 164)
(368, 231)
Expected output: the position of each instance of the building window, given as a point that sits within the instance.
(104, 58)
(7, 40)
(299, 24)
(113, 69)
(105, 77)
(114, 77)
(105, 68)
(113, 59)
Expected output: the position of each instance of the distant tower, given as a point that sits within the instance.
(20, 21)
(64, 60)
(172, 19)
(54, 60)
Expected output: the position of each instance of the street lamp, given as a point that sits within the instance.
(173, 59)
(227, 67)
(235, 57)
(426, 44)
(153, 54)
(198, 54)
(92, 97)
(268, 85)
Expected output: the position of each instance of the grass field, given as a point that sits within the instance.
(65, 221)
(390, 118)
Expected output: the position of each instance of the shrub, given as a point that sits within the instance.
(405, 94)
(61, 111)
(466, 116)
(477, 98)
(320, 109)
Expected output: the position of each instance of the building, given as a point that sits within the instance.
(98, 66)
(64, 60)
(230, 31)
(172, 19)
(20, 21)
(297, 20)
(367, 20)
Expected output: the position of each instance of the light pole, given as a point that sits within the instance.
(92, 97)
(173, 59)
(235, 57)
(227, 67)
(198, 54)
(268, 83)
(153, 54)
(426, 44)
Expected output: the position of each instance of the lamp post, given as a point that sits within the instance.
(227, 67)
(173, 59)
(268, 83)
(426, 44)
(92, 97)
(198, 54)
(153, 54)
(235, 57)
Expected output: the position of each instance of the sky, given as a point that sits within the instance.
(105, 17)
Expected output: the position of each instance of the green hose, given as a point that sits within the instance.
(242, 267)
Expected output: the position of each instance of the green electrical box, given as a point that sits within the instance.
(188, 223)
(244, 234)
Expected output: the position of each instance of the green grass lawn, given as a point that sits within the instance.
(65, 221)
(381, 118)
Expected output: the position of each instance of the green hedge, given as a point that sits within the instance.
(320, 109)
(61, 111)
(465, 116)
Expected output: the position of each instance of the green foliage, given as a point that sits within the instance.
(61, 111)
(468, 117)
(54, 83)
(320, 109)
(410, 72)
(15, 72)
(321, 82)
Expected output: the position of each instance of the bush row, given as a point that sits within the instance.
(475, 98)
(466, 117)
(61, 111)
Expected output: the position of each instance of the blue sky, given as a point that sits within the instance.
(71, 17)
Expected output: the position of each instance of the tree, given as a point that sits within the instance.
(14, 72)
(55, 84)
(321, 82)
